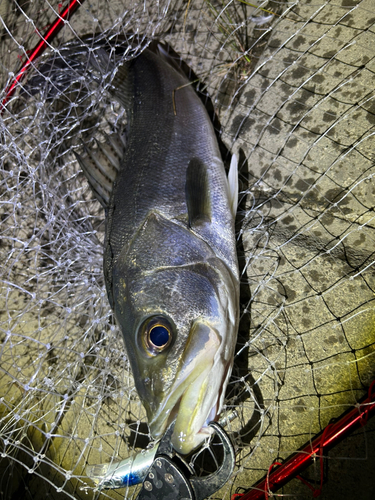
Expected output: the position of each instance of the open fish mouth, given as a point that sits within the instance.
(195, 397)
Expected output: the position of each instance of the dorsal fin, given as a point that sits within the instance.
(197, 193)
(101, 166)
(163, 51)
(121, 89)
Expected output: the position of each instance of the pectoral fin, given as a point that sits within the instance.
(197, 193)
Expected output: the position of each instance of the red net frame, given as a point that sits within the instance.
(312, 451)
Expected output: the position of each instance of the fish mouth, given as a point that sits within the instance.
(195, 397)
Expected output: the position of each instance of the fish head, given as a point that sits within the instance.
(178, 312)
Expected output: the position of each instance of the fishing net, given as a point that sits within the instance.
(292, 84)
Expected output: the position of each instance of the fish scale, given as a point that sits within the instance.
(158, 154)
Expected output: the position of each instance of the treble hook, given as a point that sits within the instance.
(166, 480)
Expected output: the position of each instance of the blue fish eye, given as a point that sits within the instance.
(159, 336)
(156, 334)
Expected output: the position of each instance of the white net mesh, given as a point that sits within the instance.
(293, 88)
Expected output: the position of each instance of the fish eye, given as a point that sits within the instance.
(157, 334)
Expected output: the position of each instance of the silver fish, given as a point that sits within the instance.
(170, 260)
(128, 472)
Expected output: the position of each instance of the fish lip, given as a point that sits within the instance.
(176, 394)
(193, 396)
